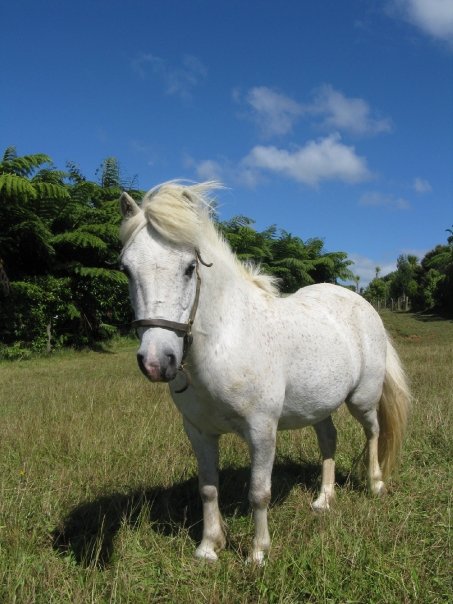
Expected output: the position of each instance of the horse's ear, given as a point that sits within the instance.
(128, 206)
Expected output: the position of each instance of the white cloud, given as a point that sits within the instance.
(274, 113)
(422, 186)
(179, 80)
(346, 114)
(374, 198)
(324, 159)
(225, 171)
(209, 169)
(433, 17)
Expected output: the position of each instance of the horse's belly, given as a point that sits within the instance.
(305, 415)
(312, 398)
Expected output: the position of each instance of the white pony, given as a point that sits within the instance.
(258, 362)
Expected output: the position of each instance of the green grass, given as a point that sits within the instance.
(99, 502)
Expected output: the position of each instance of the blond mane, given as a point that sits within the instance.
(182, 214)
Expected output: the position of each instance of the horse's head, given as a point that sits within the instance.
(162, 277)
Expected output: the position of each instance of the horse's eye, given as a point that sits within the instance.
(190, 269)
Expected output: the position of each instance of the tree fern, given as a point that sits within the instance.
(105, 231)
(104, 274)
(50, 175)
(15, 186)
(79, 239)
(23, 166)
(50, 190)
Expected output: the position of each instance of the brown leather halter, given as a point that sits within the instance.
(182, 328)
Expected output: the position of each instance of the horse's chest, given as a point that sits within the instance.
(214, 416)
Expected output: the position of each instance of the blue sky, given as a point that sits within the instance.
(330, 119)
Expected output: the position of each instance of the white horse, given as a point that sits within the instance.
(258, 362)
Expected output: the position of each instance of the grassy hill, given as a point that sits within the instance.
(99, 502)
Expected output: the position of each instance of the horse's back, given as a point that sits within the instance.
(327, 292)
(340, 305)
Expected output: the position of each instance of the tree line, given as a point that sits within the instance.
(59, 280)
(420, 285)
(59, 247)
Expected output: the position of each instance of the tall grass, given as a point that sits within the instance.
(99, 502)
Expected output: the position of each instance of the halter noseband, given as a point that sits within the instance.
(183, 328)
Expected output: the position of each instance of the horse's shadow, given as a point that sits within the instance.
(88, 531)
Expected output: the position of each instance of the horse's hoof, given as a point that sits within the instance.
(203, 553)
(320, 508)
(257, 558)
(378, 489)
(322, 504)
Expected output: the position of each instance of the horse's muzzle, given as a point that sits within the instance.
(158, 370)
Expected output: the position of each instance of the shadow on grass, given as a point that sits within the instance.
(88, 531)
(428, 317)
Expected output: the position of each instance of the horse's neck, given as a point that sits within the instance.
(225, 295)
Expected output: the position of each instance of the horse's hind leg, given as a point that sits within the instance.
(369, 420)
(327, 440)
(206, 449)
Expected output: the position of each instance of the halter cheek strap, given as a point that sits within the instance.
(182, 328)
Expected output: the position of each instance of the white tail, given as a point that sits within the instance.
(392, 412)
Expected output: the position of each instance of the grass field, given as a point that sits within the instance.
(99, 502)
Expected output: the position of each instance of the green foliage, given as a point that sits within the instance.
(103, 301)
(23, 166)
(58, 246)
(15, 352)
(378, 289)
(428, 284)
(38, 311)
(31, 193)
(12, 185)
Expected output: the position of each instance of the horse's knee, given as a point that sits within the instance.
(259, 497)
(208, 493)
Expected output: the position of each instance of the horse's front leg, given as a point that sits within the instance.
(261, 437)
(206, 449)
